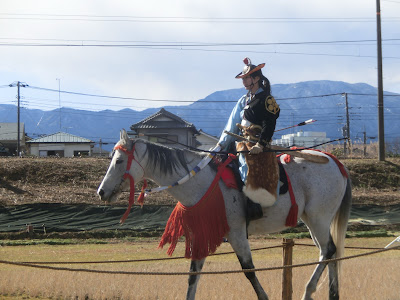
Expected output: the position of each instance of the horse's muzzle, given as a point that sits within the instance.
(104, 196)
(100, 193)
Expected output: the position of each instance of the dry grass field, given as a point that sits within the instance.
(75, 180)
(370, 277)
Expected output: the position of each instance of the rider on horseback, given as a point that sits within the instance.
(257, 110)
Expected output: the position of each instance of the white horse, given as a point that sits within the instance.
(322, 193)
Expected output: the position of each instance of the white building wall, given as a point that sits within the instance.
(206, 142)
(67, 148)
(70, 148)
(302, 139)
(34, 150)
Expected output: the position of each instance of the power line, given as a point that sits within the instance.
(112, 97)
(80, 43)
(204, 101)
(187, 48)
(392, 1)
(199, 43)
(176, 19)
(197, 101)
(267, 52)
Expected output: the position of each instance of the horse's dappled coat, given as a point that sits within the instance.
(322, 193)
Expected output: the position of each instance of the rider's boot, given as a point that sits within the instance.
(253, 211)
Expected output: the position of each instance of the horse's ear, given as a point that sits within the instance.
(124, 135)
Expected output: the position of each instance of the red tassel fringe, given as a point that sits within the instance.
(204, 225)
(140, 199)
(291, 219)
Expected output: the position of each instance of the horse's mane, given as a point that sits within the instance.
(168, 159)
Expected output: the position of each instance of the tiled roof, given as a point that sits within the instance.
(60, 137)
(208, 135)
(151, 121)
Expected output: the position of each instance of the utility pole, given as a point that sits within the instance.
(381, 130)
(292, 130)
(365, 142)
(18, 121)
(347, 123)
(59, 99)
(18, 84)
(346, 128)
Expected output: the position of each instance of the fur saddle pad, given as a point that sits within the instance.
(262, 183)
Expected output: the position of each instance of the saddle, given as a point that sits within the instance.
(262, 183)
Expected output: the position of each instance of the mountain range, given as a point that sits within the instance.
(324, 101)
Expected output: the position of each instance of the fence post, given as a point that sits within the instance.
(287, 289)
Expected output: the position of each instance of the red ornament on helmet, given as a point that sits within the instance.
(249, 68)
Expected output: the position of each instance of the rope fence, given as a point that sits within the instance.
(134, 260)
(287, 267)
(171, 258)
(41, 265)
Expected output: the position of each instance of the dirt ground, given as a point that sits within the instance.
(75, 181)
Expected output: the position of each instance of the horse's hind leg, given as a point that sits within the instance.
(323, 239)
(242, 250)
(195, 266)
(333, 279)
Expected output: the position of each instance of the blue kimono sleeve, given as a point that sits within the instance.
(236, 117)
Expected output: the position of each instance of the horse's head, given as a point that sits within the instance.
(123, 168)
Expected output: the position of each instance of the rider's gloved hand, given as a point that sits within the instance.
(256, 149)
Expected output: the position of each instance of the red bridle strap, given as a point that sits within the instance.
(127, 174)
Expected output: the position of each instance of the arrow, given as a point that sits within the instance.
(311, 157)
(300, 124)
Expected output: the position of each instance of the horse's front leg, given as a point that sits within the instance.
(241, 247)
(195, 266)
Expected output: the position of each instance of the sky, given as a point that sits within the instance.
(156, 53)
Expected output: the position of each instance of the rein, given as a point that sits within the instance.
(204, 162)
(131, 157)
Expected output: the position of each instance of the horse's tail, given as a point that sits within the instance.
(340, 221)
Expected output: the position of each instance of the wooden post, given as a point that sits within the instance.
(287, 289)
(30, 230)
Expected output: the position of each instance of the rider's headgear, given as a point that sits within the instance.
(249, 68)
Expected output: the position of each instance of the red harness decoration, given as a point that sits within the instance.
(291, 219)
(227, 175)
(204, 224)
(127, 174)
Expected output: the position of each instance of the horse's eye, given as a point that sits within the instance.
(119, 161)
